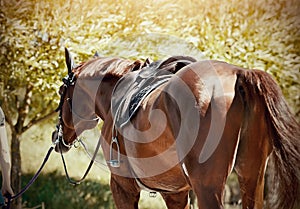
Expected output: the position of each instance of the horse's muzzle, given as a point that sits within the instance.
(59, 146)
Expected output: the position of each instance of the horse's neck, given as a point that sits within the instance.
(103, 100)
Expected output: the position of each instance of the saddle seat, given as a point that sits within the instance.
(132, 88)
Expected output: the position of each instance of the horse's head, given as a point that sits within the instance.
(74, 116)
(86, 94)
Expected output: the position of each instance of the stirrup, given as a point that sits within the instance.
(114, 162)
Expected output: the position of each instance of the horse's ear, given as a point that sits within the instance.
(69, 60)
(147, 62)
(137, 65)
(96, 54)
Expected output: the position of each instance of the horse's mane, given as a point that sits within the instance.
(106, 67)
(101, 67)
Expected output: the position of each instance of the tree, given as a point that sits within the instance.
(33, 35)
(28, 77)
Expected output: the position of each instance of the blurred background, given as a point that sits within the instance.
(261, 34)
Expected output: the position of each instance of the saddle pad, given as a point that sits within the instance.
(132, 88)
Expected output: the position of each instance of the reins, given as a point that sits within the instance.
(69, 80)
(77, 182)
(32, 180)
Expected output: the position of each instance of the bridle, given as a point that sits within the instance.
(68, 81)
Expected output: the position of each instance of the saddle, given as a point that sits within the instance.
(132, 88)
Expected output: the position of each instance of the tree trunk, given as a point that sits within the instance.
(16, 168)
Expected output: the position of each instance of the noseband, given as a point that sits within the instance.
(68, 81)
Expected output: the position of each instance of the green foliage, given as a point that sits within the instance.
(54, 190)
(254, 34)
(28, 63)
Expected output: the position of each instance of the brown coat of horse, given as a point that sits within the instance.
(189, 133)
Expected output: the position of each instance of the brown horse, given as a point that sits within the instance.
(189, 132)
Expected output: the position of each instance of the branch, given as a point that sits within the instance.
(37, 120)
(23, 109)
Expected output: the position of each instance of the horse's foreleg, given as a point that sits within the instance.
(125, 192)
(176, 200)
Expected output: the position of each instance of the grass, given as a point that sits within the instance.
(53, 190)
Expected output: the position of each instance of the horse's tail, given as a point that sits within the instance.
(284, 132)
